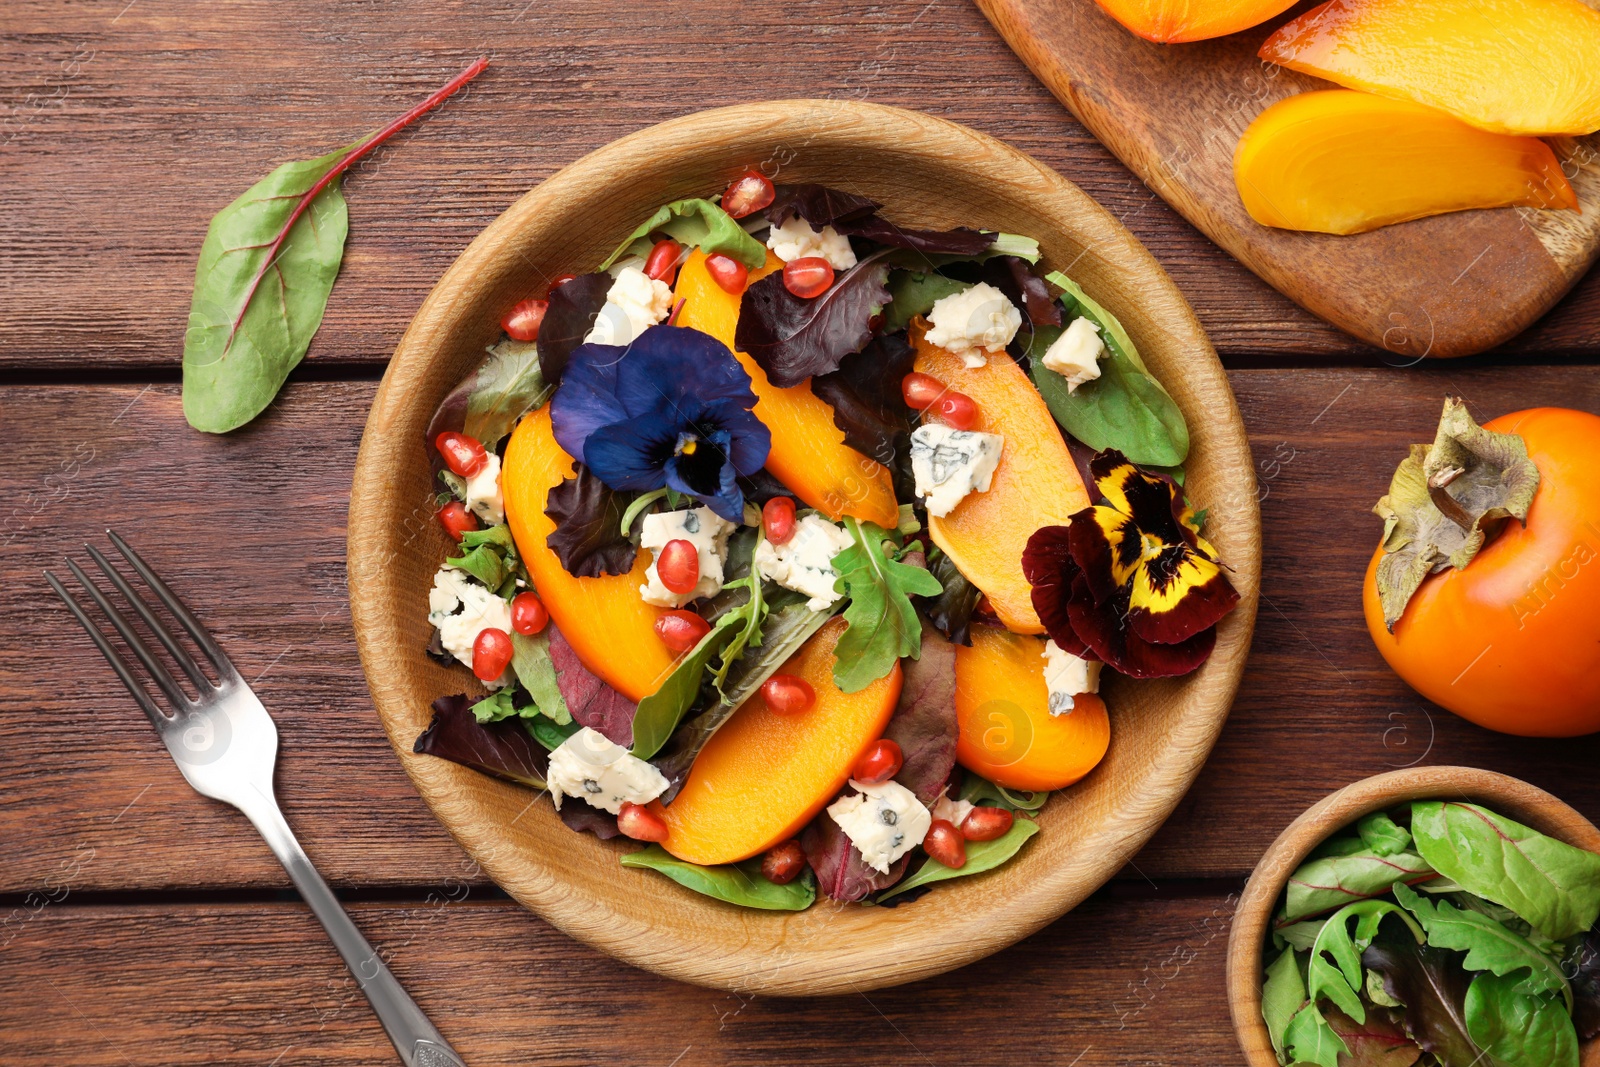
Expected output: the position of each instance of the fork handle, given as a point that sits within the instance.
(416, 1039)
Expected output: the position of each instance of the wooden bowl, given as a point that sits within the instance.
(1508, 796)
(927, 172)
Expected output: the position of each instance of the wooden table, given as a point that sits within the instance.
(144, 924)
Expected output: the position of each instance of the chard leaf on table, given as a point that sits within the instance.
(1489, 946)
(913, 293)
(736, 883)
(501, 749)
(1551, 884)
(1383, 835)
(1516, 1028)
(1282, 995)
(883, 625)
(588, 517)
(1433, 989)
(981, 856)
(792, 338)
(1321, 885)
(698, 224)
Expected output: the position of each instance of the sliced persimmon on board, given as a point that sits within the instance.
(1176, 21)
(1036, 483)
(1339, 161)
(603, 619)
(808, 450)
(1007, 733)
(765, 774)
(1529, 67)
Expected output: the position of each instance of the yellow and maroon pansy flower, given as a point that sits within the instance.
(1130, 581)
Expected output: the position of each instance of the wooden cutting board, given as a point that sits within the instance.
(1450, 285)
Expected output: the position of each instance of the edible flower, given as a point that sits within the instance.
(670, 409)
(1130, 582)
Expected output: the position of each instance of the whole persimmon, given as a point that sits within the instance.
(1485, 593)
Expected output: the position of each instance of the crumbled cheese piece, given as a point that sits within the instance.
(588, 766)
(948, 464)
(954, 812)
(973, 322)
(804, 562)
(1067, 676)
(796, 239)
(701, 527)
(483, 493)
(883, 821)
(1076, 353)
(460, 609)
(634, 303)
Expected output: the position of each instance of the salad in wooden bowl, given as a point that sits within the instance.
(795, 536)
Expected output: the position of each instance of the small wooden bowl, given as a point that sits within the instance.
(928, 173)
(1508, 796)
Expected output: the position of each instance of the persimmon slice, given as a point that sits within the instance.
(1176, 21)
(1339, 161)
(1528, 67)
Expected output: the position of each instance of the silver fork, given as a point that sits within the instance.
(225, 744)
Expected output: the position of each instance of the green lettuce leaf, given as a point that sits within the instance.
(1517, 1028)
(912, 293)
(883, 625)
(1488, 945)
(697, 223)
(1309, 1039)
(1383, 835)
(1335, 972)
(506, 386)
(489, 555)
(736, 883)
(981, 856)
(530, 659)
(659, 713)
(1282, 996)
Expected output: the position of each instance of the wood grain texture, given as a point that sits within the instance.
(124, 128)
(257, 984)
(928, 174)
(1449, 285)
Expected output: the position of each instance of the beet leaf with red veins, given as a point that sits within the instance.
(502, 749)
(588, 535)
(574, 305)
(591, 701)
(793, 338)
(866, 400)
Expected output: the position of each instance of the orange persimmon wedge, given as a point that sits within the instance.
(603, 619)
(1036, 483)
(1339, 161)
(1529, 67)
(765, 774)
(1007, 733)
(808, 450)
(1176, 21)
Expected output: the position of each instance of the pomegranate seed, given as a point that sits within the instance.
(523, 321)
(808, 276)
(879, 763)
(561, 279)
(958, 410)
(528, 614)
(788, 694)
(945, 844)
(491, 653)
(777, 518)
(783, 863)
(921, 391)
(986, 824)
(457, 520)
(727, 272)
(678, 566)
(640, 823)
(749, 193)
(681, 630)
(662, 263)
(461, 453)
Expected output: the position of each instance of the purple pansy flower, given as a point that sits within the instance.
(671, 409)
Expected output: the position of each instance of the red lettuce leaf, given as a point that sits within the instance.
(583, 817)
(842, 873)
(592, 702)
(793, 339)
(924, 721)
(819, 205)
(502, 749)
(960, 241)
(1014, 277)
(588, 535)
(866, 397)
(574, 305)
(1432, 985)
(1381, 1041)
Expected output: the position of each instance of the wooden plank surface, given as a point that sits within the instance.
(124, 127)
(1122, 980)
(250, 528)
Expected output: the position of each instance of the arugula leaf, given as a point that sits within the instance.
(501, 749)
(496, 707)
(1551, 884)
(1282, 996)
(793, 338)
(659, 713)
(1335, 971)
(588, 517)
(530, 659)
(1321, 885)
(981, 856)
(882, 624)
(698, 223)
(1488, 945)
(1383, 835)
(1517, 1028)
(913, 293)
(736, 883)
(1125, 408)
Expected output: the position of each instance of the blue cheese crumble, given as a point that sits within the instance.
(883, 821)
(634, 303)
(483, 493)
(1067, 676)
(948, 464)
(701, 527)
(589, 766)
(795, 239)
(973, 323)
(1075, 355)
(804, 563)
(460, 609)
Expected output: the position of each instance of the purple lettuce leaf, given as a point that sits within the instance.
(502, 749)
(1583, 967)
(950, 613)
(960, 241)
(1432, 985)
(583, 817)
(924, 721)
(1381, 1041)
(866, 397)
(819, 205)
(1015, 278)
(588, 535)
(574, 305)
(842, 873)
(793, 338)
(592, 702)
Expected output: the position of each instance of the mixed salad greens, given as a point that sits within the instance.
(792, 544)
(1439, 934)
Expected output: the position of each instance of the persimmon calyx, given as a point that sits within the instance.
(1444, 501)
